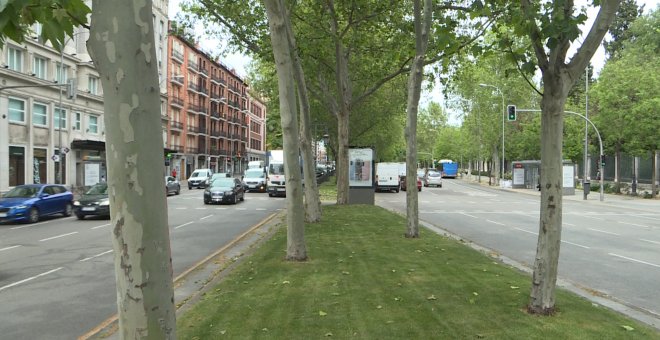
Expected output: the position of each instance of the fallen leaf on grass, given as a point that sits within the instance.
(322, 313)
(335, 294)
(379, 307)
(432, 297)
(346, 273)
(515, 287)
(328, 334)
(265, 329)
(628, 328)
(475, 293)
(285, 282)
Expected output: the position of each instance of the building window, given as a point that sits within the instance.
(16, 166)
(77, 122)
(93, 126)
(15, 59)
(61, 73)
(59, 120)
(39, 67)
(39, 114)
(16, 110)
(93, 85)
(39, 167)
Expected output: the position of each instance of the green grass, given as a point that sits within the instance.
(364, 280)
(328, 190)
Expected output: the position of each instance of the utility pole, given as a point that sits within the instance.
(586, 137)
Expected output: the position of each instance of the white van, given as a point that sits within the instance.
(387, 176)
(255, 179)
(200, 178)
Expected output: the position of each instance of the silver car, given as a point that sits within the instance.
(434, 178)
(172, 186)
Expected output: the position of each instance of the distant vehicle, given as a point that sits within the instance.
(255, 165)
(433, 178)
(404, 186)
(224, 190)
(219, 175)
(255, 179)
(448, 168)
(200, 178)
(275, 180)
(172, 185)
(94, 202)
(30, 202)
(388, 174)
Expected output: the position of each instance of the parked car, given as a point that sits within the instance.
(255, 179)
(404, 186)
(172, 185)
(30, 202)
(94, 202)
(433, 178)
(224, 190)
(200, 178)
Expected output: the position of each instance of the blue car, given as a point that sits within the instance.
(28, 203)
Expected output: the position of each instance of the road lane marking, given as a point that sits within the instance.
(635, 224)
(29, 279)
(495, 222)
(7, 248)
(462, 213)
(205, 217)
(575, 244)
(240, 208)
(569, 224)
(58, 236)
(635, 260)
(29, 225)
(95, 256)
(183, 225)
(220, 208)
(526, 231)
(181, 208)
(604, 232)
(641, 239)
(100, 226)
(200, 208)
(261, 209)
(595, 218)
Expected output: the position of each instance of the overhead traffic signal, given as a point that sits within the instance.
(511, 112)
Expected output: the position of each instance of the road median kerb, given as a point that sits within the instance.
(192, 284)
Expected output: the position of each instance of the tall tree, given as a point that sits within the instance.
(123, 50)
(626, 14)
(284, 63)
(552, 28)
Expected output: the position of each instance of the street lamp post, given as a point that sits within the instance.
(503, 114)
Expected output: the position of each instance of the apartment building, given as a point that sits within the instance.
(210, 114)
(45, 136)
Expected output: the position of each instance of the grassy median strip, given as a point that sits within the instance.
(364, 280)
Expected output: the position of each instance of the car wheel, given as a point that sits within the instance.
(270, 195)
(68, 210)
(243, 197)
(80, 217)
(190, 187)
(178, 190)
(33, 216)
(235, 198)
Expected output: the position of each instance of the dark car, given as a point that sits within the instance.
(94, 202)
(28, 203)
(224, 190)
(172, 185)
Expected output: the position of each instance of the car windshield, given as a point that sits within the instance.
(223, 182)
(434, 174)
(420, 173)
(98, 189)
(276, 169)
(256, 173)
(197, 174)
(22, 192)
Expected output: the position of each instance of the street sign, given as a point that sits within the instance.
(55, 158)
(65, 150)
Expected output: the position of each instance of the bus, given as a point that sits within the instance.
(448, 168)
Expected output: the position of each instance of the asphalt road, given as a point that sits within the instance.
(57, 276)
(611, 247)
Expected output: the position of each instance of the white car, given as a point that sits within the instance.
(255, 179)
(200, 178)
(433, 178)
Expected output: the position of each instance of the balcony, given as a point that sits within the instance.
(177, 79)
(176, 101)
(214, 151)
(224, 152)
(192, 65)
(176, 125)
(203, 90)
(193, 86)
(192, 149)
(176, 147)
(177, 55)
(203, 71)
(233, 104)
(215, 114)
(192, 129)
(233, 88)
(216, 79)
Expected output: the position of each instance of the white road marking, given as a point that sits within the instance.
(200, 208)
(58, 236)
(595, 218)
(575, 244)
(635, 224)
(100, 226)
(205, 217)
(241, 209)
(29, 225)
(7, 248)
(183, 225)
(95, 256)
(635, 260)
(604, 232)
(29, 279)
(495, 222)
(641, 239)
(462, 213)
(220, 208)
(526, 231)
(260, 209)
(569, 224)
(181, 208)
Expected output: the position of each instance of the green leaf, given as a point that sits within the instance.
(628, 328)
(322, 313)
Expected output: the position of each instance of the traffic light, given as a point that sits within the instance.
(169, 156)
(602, 161)
(511, 112)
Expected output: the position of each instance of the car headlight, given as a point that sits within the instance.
(76, 203)
(20, 207)
(104, 203)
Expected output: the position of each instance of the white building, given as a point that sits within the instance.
(43, 131)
